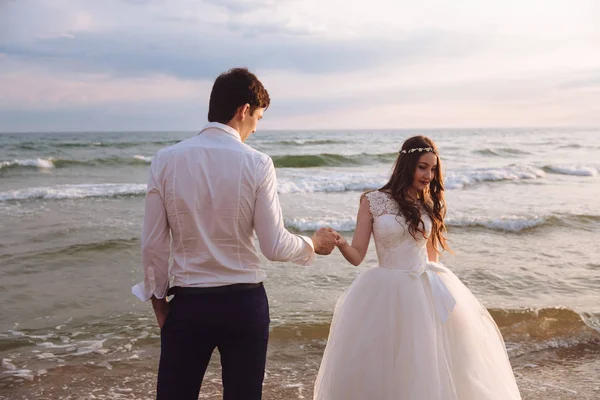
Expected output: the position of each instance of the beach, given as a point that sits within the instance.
(560, 374)
(523, 223)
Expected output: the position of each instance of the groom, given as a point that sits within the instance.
(206, 198)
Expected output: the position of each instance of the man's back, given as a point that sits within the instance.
(210, 184)
(214, 191)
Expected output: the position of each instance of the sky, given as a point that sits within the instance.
(87, 65)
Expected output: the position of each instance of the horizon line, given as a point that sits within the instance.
(584, 127)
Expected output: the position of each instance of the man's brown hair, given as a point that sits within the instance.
(233, 89)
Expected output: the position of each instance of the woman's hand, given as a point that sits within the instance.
(340, 240)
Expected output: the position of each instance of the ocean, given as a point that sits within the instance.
(523, 221)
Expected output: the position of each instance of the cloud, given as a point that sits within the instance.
(138, 2)
(238, 7)
(32, 89)
(203, 57)
(341, 62)
(24, 21)
(115, 117)
(583, 80)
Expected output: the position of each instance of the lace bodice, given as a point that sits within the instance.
(396, 248)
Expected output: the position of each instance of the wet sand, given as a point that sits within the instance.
(557, 374)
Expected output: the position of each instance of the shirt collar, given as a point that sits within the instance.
(223, 127)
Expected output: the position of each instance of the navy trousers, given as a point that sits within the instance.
(236, 323)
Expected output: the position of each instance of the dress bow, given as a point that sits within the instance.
(443, 299)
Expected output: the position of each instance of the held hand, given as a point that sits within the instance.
(340, 240)
(324, 241)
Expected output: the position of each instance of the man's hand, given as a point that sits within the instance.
(324, 241)
(161, 310)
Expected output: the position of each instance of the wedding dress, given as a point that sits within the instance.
(409, 329)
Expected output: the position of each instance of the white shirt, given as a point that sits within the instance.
(206, 197)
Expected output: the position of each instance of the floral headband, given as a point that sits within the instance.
(419, 149)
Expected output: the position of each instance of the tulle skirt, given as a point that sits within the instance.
(390, 338)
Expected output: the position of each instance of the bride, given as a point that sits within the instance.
(409, 329)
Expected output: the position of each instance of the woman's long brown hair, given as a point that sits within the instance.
(432, 197)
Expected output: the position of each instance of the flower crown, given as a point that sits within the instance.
(419, 149)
